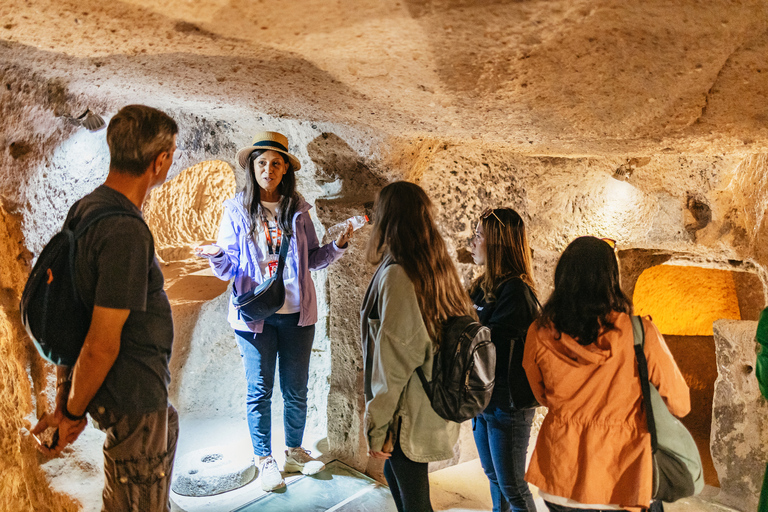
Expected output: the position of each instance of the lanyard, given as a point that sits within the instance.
(272, 242)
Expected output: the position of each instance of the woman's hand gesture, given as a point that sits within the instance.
(207, 251)
(345, 237)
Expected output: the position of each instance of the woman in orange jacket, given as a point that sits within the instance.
(594, 450)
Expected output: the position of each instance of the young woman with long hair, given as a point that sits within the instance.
(247, 250)
(505, 298)
(594, 450)
(414, 291)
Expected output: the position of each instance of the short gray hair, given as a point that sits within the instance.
(136, 135)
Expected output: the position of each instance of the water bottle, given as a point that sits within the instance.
(357, 221)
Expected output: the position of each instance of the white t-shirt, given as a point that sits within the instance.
(268, 238)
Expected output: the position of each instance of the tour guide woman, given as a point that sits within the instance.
(414, 290)
(247, 250)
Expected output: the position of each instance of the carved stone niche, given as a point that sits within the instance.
(739, 440)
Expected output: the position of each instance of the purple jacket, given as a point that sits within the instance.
(240, 256)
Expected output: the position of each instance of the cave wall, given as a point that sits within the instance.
(560, 198)
(740, 417)
(535, 105)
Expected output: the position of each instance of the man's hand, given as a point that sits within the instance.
(379, 455)
(67, 431)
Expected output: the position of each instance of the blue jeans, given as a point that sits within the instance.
(501, 436)
(283, 338)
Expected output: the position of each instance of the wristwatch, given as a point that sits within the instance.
(71, 416)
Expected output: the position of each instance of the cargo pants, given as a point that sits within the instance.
(138, 459)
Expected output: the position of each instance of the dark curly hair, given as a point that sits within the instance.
(587, 291)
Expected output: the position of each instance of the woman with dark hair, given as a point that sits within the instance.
(594, 450)
(414, 291)
(505, 299)
(247, 251)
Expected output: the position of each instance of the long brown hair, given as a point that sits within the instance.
(507, 253)
(404, 227)
(287, 188)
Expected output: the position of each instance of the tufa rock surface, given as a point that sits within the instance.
(740, 417)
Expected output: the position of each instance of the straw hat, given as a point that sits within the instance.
(273, 141)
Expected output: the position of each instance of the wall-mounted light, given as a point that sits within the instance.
(625, 170)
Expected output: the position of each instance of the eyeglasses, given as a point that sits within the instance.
(610, 241)
(488, 212)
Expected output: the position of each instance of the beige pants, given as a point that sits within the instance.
(138, 460)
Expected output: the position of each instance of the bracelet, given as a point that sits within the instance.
(71, 416)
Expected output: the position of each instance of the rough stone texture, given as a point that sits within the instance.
(20, 465)
(627, 74)
(186, 211)
(535, 105)
(212, 470)
(751, 295)
(740, 417)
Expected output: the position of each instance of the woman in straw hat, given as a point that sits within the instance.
(247, 250)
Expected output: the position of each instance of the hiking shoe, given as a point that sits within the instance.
(269, 473)
(298, 459)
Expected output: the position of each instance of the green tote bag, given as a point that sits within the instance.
(677, 471)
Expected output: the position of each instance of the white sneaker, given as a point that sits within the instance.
(298, 459)
(271, 479)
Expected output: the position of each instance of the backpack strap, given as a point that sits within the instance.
(642, 369)
(89, 220)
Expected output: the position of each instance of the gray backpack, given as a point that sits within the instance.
(677, 471)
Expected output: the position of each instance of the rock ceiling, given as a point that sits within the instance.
(568, 77)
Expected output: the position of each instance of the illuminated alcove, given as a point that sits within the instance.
(684, 300)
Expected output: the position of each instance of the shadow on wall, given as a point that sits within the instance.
(349, 187)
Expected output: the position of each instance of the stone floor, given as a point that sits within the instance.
(461, 488)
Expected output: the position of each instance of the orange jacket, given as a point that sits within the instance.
(594, 446)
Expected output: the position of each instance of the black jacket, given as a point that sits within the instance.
(508, 317)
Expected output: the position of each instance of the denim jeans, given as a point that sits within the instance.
(408, 482)
(281, 339)
(501, 436)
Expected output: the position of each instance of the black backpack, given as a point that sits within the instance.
(51, 308)
(463, 370)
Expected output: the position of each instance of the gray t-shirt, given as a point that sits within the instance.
(116, 268)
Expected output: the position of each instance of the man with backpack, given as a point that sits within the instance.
(121, 374)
